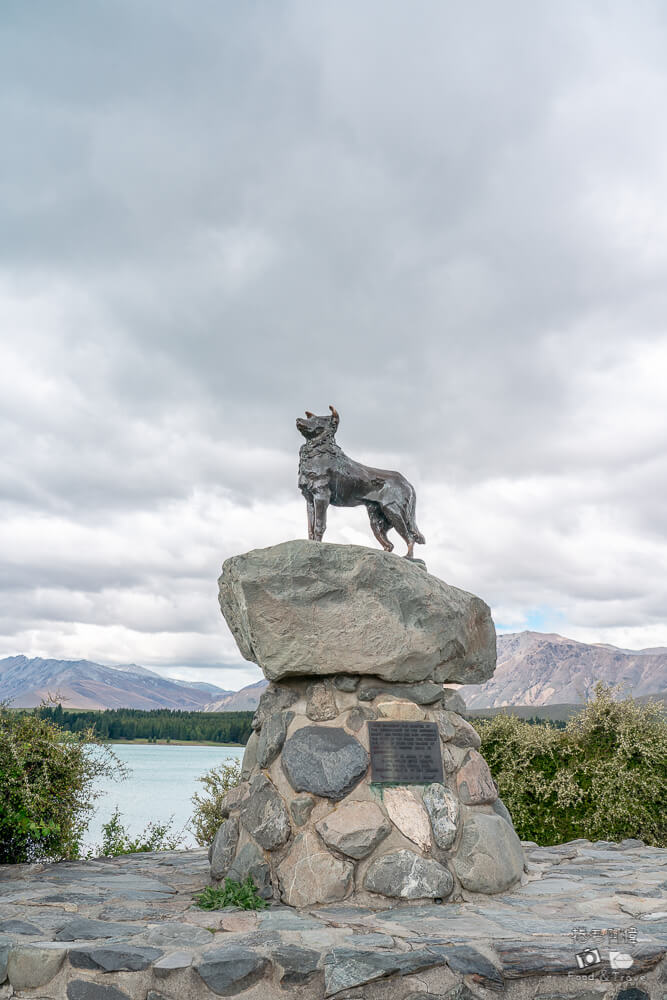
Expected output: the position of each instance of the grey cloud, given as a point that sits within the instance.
(442, 219)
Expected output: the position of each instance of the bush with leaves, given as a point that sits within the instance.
(602, 777)
(47, 778)
(154, 837)
(207, 816)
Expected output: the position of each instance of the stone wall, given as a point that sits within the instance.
(309, 826)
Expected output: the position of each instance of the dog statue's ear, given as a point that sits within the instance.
(308, 413)
(335, 419)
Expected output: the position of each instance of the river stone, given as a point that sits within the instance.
(321, 705)
(297, 965)
(309, 874)
(304, 608)
(33, 965)
(324, 760)
(234, 799)
(264, 815)
(406, 875)
(301, 809)
(5, 944)
(444, 811)
(502, 810)
(407, 813)
(88, 929)
(426, 693)
(355, 828)
(346, 682)
(272, 736)
(250, 861)
(359, 715)
(223, 847)
(19, 927)
(176, 933)
(83, 989)
(474, 782)
(174, 962)
(230, 969)
(118, 957)
(453, 701)
(346, 968)
(249, 762)
(274, 698)
(445, 727)
(468, 961)
(400, 709)
(461, 733)
(490, 857)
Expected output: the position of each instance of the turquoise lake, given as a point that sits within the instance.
(161, 783)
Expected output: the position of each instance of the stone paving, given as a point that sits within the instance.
(125, 929)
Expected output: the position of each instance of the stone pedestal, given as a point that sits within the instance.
(347, 636)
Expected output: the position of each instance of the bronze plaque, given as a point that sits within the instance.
(405, 753)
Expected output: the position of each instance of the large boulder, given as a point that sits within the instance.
(324, 760)
(312, 608)
(490, 857)
(406, 875)
(223, 848)
(444, 811)
(310, 874)
(355, 828)
(264, 815)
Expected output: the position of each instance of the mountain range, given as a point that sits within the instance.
(536, 668)
(533, 669)
(83, 684)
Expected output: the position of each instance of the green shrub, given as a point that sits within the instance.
(47, 778)
(154, 837)
(602, 777)
(241, 894)
(207, 817)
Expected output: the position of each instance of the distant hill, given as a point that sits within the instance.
(244, 700)
(83, 684)
(536, 669)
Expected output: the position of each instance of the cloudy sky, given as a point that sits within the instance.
(447, 219)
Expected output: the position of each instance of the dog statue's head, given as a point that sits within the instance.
(314, 426)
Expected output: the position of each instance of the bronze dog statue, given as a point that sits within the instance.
(327, 475)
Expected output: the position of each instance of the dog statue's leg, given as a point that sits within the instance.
(321, 504)
(379, 526)
(394, 515)
(310, 508)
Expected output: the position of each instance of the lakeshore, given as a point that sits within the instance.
(175, 743)
(159, 787)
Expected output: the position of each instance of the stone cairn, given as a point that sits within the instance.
(348, 635)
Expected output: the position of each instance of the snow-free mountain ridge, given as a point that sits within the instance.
(27, 682)
(533, 668)
(536, 668)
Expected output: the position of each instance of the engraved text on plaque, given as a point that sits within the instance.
(405, 752)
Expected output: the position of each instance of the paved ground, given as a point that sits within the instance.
(125, 928)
